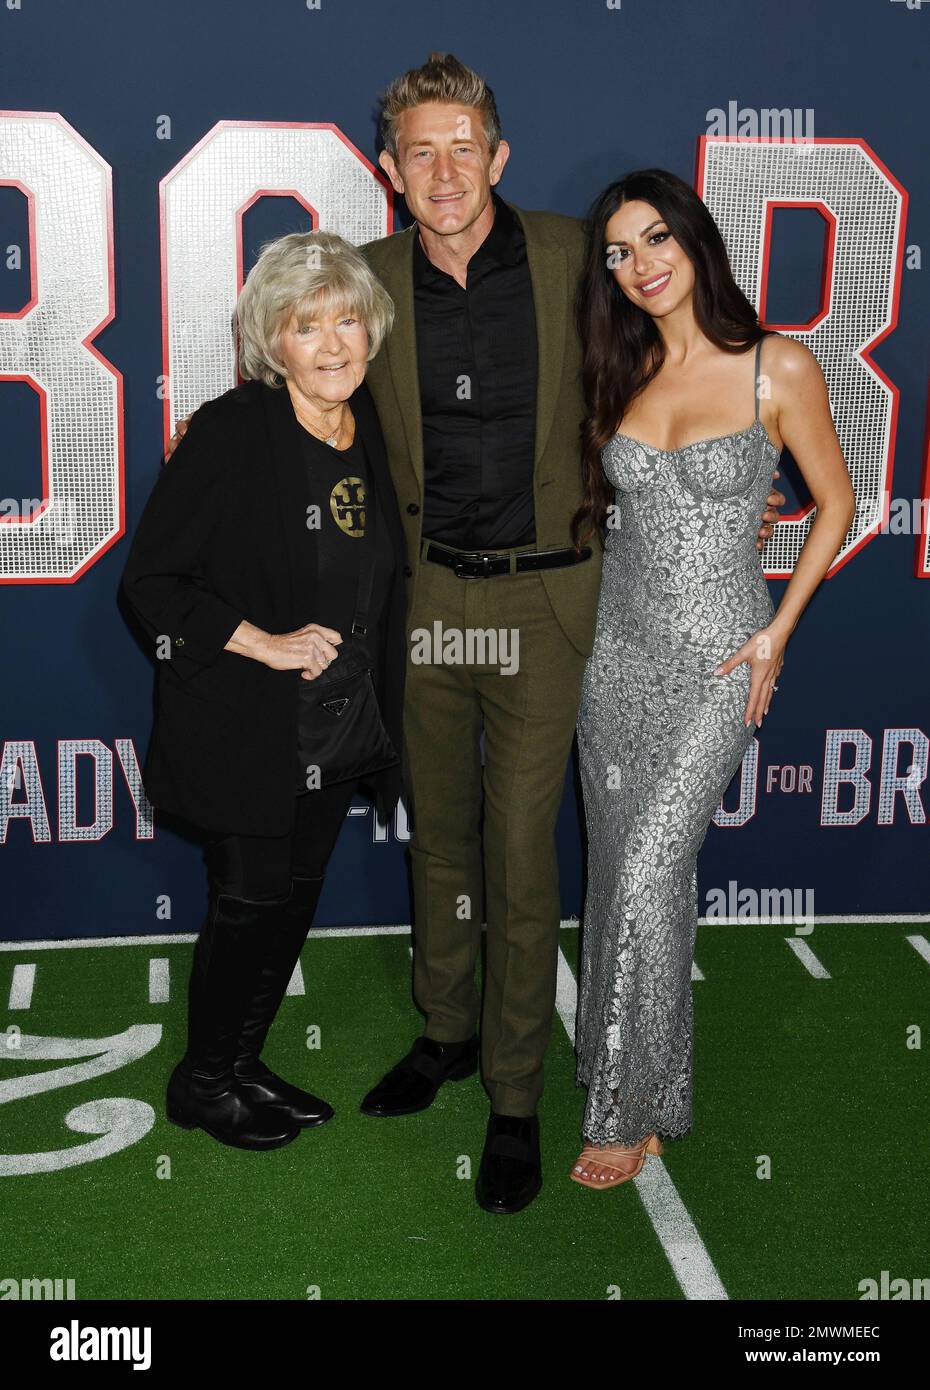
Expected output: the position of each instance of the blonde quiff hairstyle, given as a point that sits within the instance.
(442, 78)
(301, 274)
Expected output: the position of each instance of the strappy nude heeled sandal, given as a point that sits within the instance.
(591, 1154)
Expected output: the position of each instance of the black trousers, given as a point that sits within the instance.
(260, 867)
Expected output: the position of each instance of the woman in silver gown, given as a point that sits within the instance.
(688, 643)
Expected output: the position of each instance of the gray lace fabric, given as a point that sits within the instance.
(659, 738)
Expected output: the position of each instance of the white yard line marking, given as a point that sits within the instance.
(89, 942)
(21, 986)
(890, 918)
(184, 938)
(677, 1233)
(566, 996)
(696, 972)
(296, 982)
(807, 958)
(684, 1249)
(922, 946)
(403, 929)
(159, 980)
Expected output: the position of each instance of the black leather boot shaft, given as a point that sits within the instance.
(203, 1091)
(285, 940)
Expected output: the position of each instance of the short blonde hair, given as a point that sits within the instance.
(298, 275)
(442, 78)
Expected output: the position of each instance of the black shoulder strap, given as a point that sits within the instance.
(366, 573)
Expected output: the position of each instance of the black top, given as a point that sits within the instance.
(223, 537)
(337, 489)
(476, 354)
(338, 527)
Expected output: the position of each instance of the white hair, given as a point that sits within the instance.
(299, 275)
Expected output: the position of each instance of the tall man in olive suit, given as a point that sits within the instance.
(479, 394)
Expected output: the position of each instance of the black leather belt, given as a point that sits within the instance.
(477, 564)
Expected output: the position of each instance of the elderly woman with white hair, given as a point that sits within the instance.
(267, 571)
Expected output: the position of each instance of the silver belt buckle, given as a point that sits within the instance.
(485, 561)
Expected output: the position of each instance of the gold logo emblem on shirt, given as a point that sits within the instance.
(347, 504)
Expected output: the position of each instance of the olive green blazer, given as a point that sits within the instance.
(554, 246)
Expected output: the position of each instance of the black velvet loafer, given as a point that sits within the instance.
(412, 1084)
(510, 1175)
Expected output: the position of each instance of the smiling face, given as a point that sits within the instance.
(646, 261)
(444, 167)
(326, 355)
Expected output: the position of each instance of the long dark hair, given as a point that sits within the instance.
(621, 345)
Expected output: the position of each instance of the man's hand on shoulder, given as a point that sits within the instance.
(770, 516)
(180, 430)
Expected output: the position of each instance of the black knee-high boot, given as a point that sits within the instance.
(203, 1091)
(285, 938)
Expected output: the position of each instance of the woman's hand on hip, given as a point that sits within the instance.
(765, 653)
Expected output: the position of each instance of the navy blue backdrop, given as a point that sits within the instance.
(586, 92)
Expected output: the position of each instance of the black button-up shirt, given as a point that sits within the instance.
(476, 353)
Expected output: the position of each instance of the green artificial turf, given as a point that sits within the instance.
(812, 1075)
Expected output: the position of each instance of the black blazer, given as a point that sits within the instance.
(223, 537)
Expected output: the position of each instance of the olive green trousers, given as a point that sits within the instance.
(488, 825)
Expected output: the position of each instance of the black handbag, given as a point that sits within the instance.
(340, 729)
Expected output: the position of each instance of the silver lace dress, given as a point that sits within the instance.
(660, 738)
